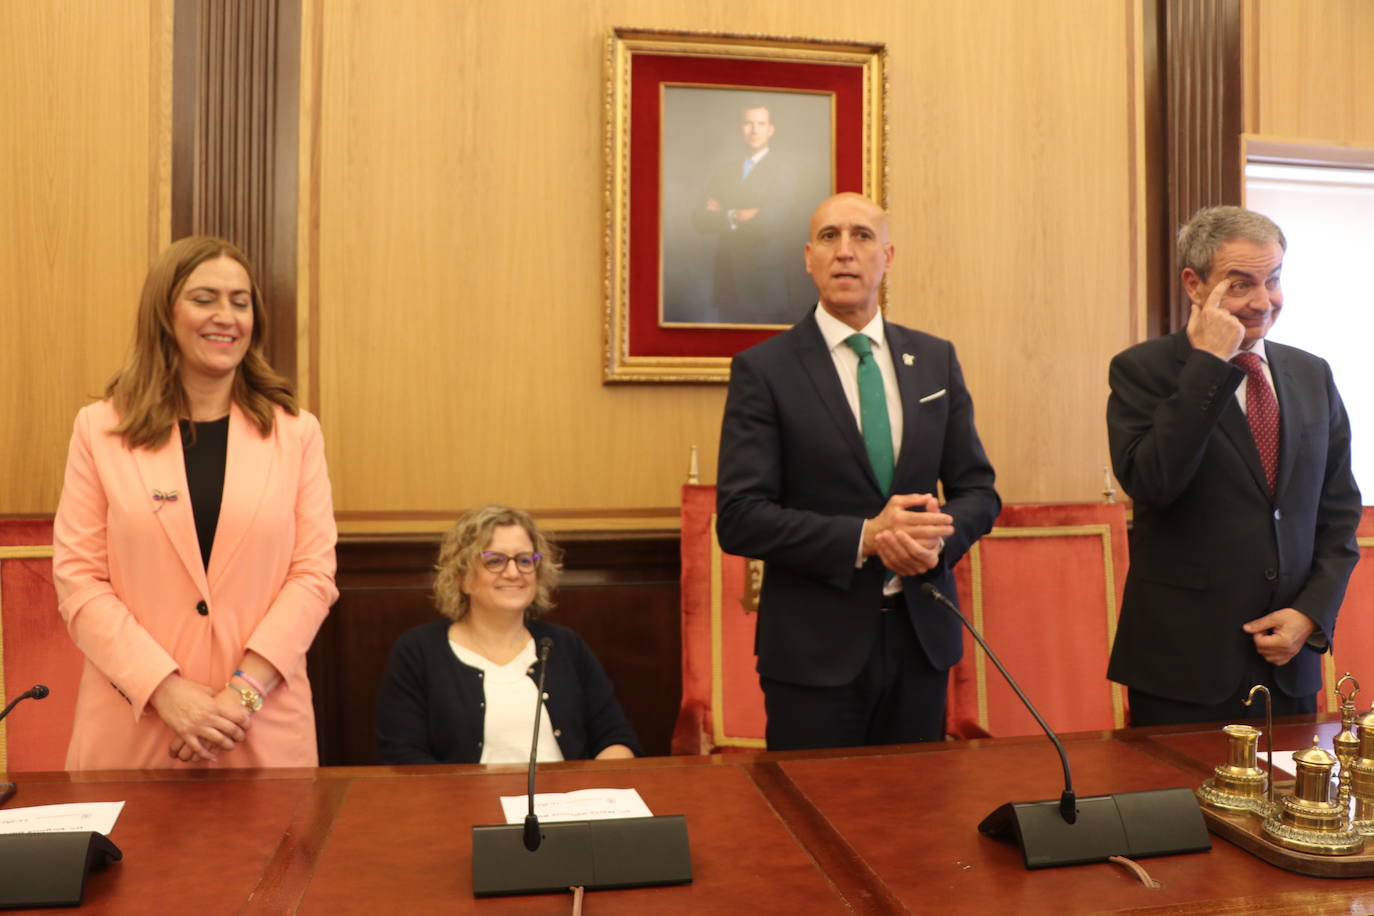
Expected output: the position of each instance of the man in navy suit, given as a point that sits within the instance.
(749, 206)
(1236, 452)
(835, 438)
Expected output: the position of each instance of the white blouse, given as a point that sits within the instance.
(509, 708)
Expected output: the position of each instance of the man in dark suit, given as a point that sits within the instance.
(1236, 451)
(823, 424)
(749, 207)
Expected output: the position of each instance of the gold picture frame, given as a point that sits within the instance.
(671, 102)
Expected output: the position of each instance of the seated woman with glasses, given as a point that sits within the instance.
(462, 689)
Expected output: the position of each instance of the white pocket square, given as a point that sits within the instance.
(934, 397)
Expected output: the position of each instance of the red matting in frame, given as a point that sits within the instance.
(648, 74)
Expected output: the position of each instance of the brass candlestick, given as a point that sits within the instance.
(1308, 820)
(1345, 744)
(1269, 741)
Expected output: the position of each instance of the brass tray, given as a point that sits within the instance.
(1247, 832)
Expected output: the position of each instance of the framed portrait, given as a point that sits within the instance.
(718, 147)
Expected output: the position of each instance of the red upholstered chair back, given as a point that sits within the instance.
(34, 649)
(722, 703)
(1044, 588)
(1353, 647)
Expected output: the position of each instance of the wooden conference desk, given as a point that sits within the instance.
(889, 830)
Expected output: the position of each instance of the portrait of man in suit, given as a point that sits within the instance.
(749, 206)
(837, 435)
(735, 164)
(1236, 452)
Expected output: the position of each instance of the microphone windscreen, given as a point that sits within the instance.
(531, 834)
(38, 691)
(545, 642)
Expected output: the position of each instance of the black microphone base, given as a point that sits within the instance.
(49, 869)
(1158, 822)
(597, 855)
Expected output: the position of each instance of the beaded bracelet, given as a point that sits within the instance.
(251, 682)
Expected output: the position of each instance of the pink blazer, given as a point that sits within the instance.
(140, 604)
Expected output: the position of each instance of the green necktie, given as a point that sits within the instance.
(873, 411)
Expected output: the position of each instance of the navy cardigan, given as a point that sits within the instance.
(430, 705)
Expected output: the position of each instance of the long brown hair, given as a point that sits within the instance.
(147, 392)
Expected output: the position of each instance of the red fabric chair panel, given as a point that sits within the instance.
(1353, 646)
(1044, 588)
(35, 650)
(722, 704)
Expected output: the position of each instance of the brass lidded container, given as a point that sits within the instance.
(1239, 784)
(1308, 820)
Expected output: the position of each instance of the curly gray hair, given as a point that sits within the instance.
(462, 546)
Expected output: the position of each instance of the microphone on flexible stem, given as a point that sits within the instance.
(36, 692)
(532, 836)
(1068, 802)
(47, 869)
(1077, 831)
(595, 854)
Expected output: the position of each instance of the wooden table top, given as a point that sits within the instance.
(870, 830)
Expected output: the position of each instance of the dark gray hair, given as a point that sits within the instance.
(1212, 227)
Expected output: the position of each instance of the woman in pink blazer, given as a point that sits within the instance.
(193, 548)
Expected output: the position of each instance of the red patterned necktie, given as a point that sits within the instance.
(1262, 411)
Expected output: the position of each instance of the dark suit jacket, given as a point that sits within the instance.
(1211, 549)
(795, 485)
(757, 260)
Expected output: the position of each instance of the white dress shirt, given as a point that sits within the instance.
(847, 365)
(846, 362)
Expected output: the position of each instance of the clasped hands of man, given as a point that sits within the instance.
(908, 534)
(1214, 328)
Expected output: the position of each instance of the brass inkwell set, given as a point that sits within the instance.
(1316, 829)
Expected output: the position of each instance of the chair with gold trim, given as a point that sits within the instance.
(34, 649)
(722, 703)
(1044, 588)
(1353, 648)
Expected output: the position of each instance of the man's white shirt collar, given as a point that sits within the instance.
(1258, 350)
(836, 331)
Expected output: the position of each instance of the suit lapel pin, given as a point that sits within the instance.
(908, 359)
(162, 498)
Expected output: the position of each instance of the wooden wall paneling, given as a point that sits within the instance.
(1155, 242)
(1013, 221)
(234, 146)
(81, 128)
(1203, 119)
(414, 143)
(383, 591)
(623, 595)
(459, 265)
(1311, 69)
(363, 626)
(460, 239)
(619, 592)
